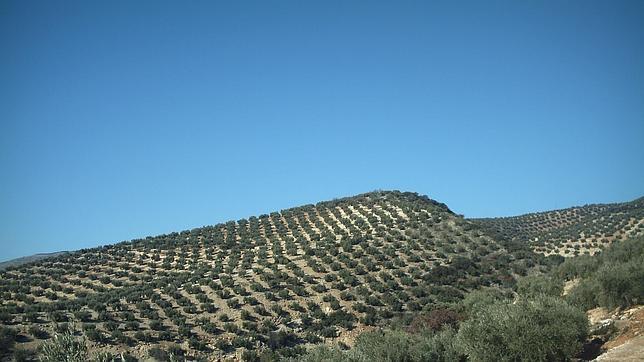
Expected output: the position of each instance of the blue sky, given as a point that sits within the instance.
(123, 119)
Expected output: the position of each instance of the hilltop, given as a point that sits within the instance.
(273, 281)
(570, 231)
(278, 281)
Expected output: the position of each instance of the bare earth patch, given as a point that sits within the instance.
(628, 345)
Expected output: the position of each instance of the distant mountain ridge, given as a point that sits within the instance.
(29, 259)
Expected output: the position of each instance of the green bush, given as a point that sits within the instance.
(584, 294)
(536, 285)
(479, 299)
(95, 335)
(612, 279)
(385, 346)
(393, 346)
(624, 251)
(439, 347)
(621, 284)
(544, 329)
(579, 266)
(322, 353)
(63, 348)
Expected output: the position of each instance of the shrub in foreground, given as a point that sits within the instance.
(544, 329)
(63, 348)
(438, 347)
(392, 346)
(386, 346)
(621, 284)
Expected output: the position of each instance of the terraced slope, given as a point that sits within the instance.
(28, 259)
(270, 282)
(571, 231)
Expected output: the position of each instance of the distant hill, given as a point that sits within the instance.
(28, 259)
(273, 281)
(570, 231)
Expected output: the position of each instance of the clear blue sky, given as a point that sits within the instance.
(122, 119)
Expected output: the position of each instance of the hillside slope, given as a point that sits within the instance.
(268, 282)
(571, 231)
(28, 259)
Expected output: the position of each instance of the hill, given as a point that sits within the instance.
(272, 282)
(28, 259)
(571, 231)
